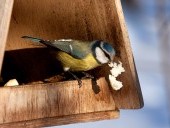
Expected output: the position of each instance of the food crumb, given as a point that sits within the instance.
(116, 70)
(12, 82)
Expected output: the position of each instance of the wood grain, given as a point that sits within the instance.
(31, 102)
(53, 121)
(5, 16)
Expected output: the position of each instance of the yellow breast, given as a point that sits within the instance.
(73, 64)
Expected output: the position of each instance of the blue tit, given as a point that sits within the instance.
(76, 55)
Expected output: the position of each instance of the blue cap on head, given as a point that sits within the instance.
(108, 47)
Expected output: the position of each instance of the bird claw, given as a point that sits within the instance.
(79, 80)
(79, 83)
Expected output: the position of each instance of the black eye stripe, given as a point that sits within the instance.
(104, 51)
(106, 54)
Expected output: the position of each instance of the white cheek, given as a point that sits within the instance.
(100, 56)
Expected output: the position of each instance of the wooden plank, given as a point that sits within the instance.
(134, 87)
(61, 99)
(5, 15)
(53, 121)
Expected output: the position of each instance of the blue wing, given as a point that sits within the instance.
(76, 48)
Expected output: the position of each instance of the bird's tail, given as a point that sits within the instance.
(38, 40)
(33, 39)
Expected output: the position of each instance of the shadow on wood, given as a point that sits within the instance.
(30, 65)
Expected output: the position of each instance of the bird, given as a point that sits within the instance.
(78, 55)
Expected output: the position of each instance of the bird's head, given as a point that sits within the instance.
(103, 52)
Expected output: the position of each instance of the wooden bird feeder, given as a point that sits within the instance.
(37, 104)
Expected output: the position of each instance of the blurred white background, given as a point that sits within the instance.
(148, 24)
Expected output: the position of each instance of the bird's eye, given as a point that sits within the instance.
(107, 48)
(107, 55)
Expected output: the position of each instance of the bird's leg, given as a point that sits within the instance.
(87, 75)
(75, 77)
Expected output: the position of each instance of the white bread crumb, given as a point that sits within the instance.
(12, 82)
(115, 84)
(116, 70)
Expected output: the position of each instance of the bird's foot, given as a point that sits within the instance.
(75, 77)
(79, 83)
